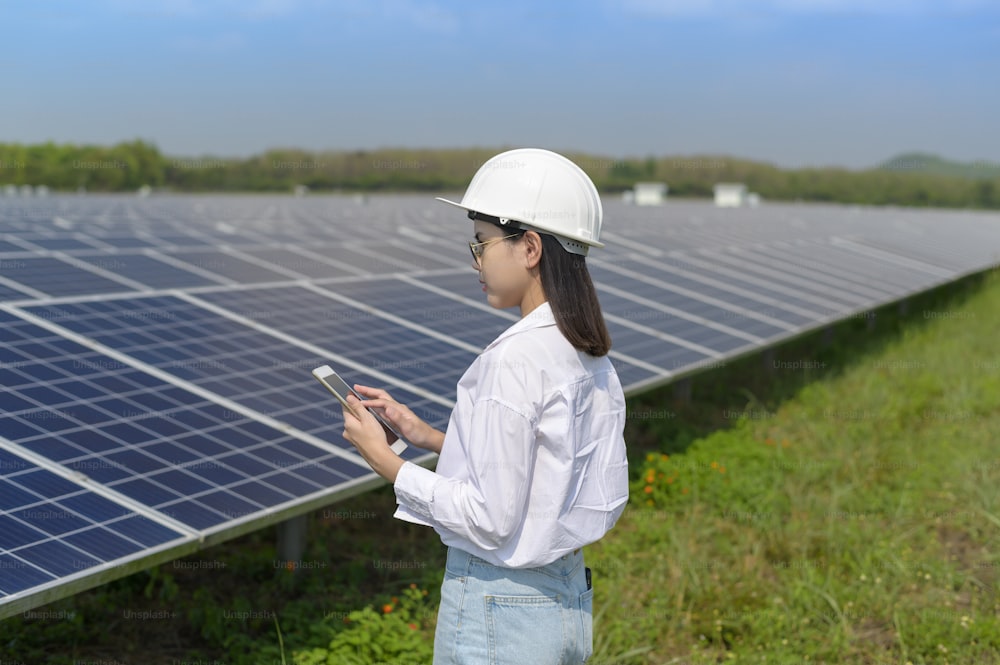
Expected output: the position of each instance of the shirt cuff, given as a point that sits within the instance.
(414, 489)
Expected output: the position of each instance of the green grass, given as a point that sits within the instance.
(851, 515)
(854, 523)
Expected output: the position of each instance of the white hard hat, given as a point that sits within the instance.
(540, 190)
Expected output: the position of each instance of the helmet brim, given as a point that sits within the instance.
(526, 224)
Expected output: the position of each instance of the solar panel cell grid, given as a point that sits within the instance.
(632, 312)
(252, 368)
(743, 307)
(6, 247)
(375, 264)
(9, 292)
(301, 263)
(416, 260)
(426, 308)
(147, 270)
(124, 242)
(229, 266)
(844, 289)
(59, 242)
(630, 374)
(52, 527)
(370, 340)
(462, 283)
(791, 303)
(58, 278)
(844, 269)
(117, 441)
(652, 350)
(664, 295)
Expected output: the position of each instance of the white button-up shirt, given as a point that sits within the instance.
(533, 463)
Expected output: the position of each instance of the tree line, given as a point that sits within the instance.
(130, 165)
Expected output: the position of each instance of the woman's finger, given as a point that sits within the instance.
(357, 405)
(348, 416)
(372, 392)
(377, 403)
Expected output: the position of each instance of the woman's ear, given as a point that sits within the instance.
(532, 249)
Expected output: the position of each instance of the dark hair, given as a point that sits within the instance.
(571, 295)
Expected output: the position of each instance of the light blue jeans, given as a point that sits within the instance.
(491, 615)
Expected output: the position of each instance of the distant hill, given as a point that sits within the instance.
(923, 163)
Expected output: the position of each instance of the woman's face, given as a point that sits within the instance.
(502, 266)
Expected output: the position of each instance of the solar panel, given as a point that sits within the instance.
(779, 305)
(763, 312)
(308, 264)
(824, 265)
(8, 292)
(155, 353)
(54, 277)
(125, 241)
(832, 286)
(456, 318)
(58, 242)
(263, 372)
(232, 268)
(52, 528)
(7, 246)
(147, 270)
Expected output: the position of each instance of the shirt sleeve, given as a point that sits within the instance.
(486, 508)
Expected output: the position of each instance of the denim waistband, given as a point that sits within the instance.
(564, 567)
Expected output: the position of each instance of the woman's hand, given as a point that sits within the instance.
(413, 429)
(366, 434)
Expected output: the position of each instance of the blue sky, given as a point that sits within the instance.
(793, 82)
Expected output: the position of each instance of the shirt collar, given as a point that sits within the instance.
(539, 317)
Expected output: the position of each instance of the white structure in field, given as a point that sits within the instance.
(650, 193)
(646, 194)
(730, 194)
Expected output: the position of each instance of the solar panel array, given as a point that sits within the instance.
(155, 353)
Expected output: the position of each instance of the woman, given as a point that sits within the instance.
(532, 466)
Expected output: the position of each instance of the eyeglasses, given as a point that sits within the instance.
(478, 248)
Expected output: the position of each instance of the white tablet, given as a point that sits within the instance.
(336, 385)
